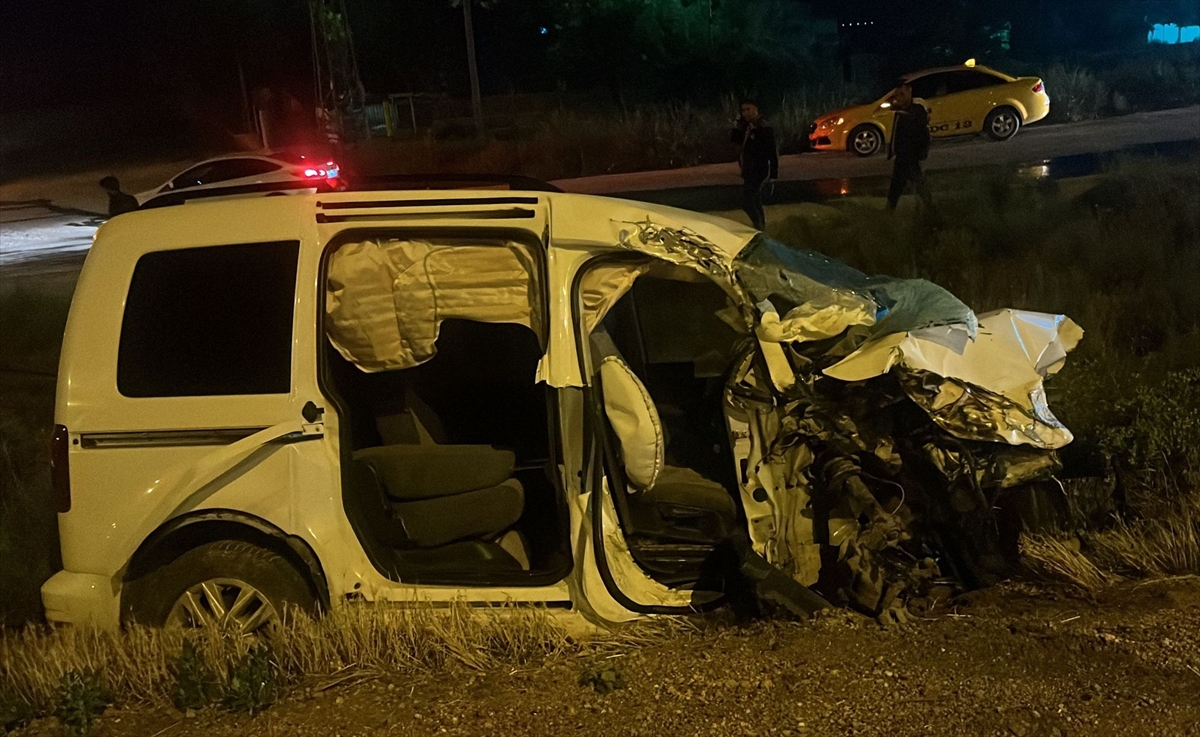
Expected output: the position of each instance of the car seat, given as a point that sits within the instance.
(666, 504)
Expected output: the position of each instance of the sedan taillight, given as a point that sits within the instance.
(60, 471)
(1039, 87)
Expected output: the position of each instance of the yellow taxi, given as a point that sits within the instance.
(964, 99)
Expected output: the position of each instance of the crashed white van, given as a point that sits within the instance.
(521, 398)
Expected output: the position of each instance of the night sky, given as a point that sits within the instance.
(59, 51)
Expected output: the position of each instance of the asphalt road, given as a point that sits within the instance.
(1033, 144)
(40, 230)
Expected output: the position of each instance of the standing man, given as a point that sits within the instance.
(759, 160)
(118, 202)
(909, 146)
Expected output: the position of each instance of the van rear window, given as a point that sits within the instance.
(209, 321)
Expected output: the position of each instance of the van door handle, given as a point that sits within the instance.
(311, 412)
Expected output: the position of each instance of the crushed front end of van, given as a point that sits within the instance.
(893, 444)
(907, 432)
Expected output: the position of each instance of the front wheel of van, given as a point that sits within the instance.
(228, 584)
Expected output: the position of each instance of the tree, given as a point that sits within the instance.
(472, 68)
(683, 48)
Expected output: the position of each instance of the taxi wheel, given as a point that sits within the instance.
(1002, 124)
(865, 140)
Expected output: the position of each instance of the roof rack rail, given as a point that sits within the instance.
(515, 182)
(362, 184)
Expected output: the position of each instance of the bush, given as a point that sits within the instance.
(1154, 434)
(1076, 94)
(1159, 78)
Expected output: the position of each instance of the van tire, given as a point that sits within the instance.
(150, 599)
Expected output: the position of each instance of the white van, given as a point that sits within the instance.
(497, 397)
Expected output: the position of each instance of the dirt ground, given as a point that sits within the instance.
(1014, 660)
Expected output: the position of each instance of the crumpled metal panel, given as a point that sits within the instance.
(987, 389)
(811, 284)
(974, 413)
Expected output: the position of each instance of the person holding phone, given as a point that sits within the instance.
(759, 160)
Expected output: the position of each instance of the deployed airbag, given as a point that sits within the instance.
(386, 298)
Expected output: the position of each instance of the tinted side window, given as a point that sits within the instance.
(192, 177)
(222, 171)
(964, 81)
(209, 321)
(239, 168)
(931, 85)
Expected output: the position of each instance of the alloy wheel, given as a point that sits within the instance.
(225, 603)
(866, 142)
(1004, 125)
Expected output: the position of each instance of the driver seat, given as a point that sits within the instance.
(666, 504)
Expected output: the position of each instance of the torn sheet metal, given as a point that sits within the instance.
(386, 298)
(819, 293)
(988, 389)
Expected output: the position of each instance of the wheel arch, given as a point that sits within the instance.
(1013, 103)
(180, 534)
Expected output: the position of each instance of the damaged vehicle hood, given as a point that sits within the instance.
(979, 378)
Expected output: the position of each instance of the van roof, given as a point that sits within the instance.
(573, 218)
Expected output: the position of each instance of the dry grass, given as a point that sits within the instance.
(1060, 561)
(353, 642)
(1167, 544)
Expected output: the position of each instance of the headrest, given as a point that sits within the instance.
(635, 421)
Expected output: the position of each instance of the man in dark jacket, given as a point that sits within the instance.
(909, 146)
(759, 160)
(118, 201)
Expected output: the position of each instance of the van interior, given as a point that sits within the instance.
(665, 340)
(446, 465)
(448, 460)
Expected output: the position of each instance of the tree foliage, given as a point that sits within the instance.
(683, 48)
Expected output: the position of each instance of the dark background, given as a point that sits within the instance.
(186, 54)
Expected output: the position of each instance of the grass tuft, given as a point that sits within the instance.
(1055, 560)
(1167, 544)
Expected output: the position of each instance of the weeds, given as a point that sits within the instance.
(1077, 94)
(254, 681)
(564, 143)
(82, 697)
(195, 683)
(602, 677)
(14, 712)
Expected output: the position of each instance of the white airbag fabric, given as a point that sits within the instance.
(386, 299)
(635, 421)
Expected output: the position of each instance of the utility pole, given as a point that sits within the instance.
(476, 99)
(337, 86)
